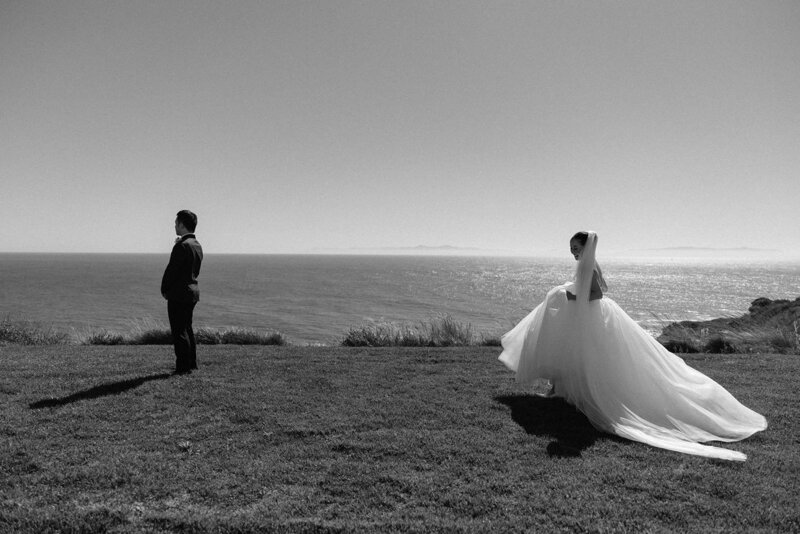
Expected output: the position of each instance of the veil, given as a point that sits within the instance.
(585, 270)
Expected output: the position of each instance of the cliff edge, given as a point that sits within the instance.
(768, 325)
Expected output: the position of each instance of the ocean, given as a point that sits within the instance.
(315, 299)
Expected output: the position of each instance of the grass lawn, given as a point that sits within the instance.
(297, 439)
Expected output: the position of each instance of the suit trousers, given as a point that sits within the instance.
(180, 324)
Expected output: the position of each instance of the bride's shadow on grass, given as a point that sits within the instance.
(571, 431)
(103, 390)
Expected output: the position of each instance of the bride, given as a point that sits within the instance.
(599, 360)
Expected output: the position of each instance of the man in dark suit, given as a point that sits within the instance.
(179, 287)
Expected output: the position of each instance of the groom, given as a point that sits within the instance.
(179, 287)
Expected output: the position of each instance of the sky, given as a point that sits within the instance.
(339, 126)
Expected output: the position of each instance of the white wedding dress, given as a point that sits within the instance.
(625, 382)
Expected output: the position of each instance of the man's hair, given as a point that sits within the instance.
(188, 219)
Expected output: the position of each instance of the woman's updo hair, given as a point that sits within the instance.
(581, 237)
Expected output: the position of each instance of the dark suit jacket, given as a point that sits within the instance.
(179, 282)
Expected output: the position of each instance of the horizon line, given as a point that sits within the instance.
(422, 251)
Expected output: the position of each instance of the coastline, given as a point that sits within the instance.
(318, 299)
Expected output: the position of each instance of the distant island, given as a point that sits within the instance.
(421, 250)
(715, 249)
(428, 248)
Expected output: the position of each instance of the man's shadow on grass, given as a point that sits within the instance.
(103, 390)
(571, 431)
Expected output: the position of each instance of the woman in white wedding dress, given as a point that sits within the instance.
(599, 360)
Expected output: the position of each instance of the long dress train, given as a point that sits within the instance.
(622, 379)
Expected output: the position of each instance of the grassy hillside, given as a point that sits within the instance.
(301, 439)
